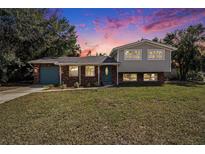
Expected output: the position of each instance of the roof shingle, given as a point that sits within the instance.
(75, 60)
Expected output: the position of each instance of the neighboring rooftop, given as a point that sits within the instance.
(75, 60)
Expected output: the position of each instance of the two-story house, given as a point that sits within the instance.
(142, 61)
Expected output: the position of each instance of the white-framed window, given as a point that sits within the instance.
(150, 77)
(73, 71)
(155, 54)
(133, 54)
(89, 71)
(129, 77)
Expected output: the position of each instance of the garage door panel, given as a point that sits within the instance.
(49, 75)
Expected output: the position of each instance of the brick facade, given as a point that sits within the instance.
(86, 81)
(90, 81)
(36, 73)
(161, 77)
(114, 74)
(66, 79)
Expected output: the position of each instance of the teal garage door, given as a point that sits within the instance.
(49, 75)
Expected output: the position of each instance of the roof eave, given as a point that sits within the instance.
(143, 41)
(80, 64)
(41, 62)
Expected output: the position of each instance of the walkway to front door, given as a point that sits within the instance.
(106, 76)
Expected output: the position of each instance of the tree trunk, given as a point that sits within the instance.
(182, 72)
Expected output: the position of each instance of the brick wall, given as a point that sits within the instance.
(85, 81)
(36, 73)
(114, 74)
(66, 79)
(161, 77)
(69, 81)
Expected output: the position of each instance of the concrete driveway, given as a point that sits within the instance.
(8, 95)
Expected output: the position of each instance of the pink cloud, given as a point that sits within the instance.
(110, 26)
(169, 18)
(160, 25)
(98, 44)
(108, 31)
(87, 47)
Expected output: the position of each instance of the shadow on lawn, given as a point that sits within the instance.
(158, 84)
(134, 84)
(186, 84)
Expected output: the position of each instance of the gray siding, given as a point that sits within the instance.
(144, 65)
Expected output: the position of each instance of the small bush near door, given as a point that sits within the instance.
(76, 85)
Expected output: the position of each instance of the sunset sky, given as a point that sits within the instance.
(100, 30)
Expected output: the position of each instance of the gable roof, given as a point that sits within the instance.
(171, 48)
(75, 60)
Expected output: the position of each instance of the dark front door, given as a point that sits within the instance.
(107, 76)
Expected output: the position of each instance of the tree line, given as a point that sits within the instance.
(27, 34)
(189, 58)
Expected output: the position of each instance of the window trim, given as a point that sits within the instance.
(150, 76)
(163, 52)
(90, 75)
(129, 81)
(70, 73)
(140, 50)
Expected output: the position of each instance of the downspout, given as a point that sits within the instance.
(79, 67)
(60, 74)
(117, 66)
(99, 75)
(117, 75)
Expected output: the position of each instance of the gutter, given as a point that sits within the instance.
(61, 64)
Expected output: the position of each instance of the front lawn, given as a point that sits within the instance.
(168, 114)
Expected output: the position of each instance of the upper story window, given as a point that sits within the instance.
(89, 71)
(73, 70)
(133, 54)
(155, 54)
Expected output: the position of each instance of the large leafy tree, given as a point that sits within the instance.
(27, 34)
(187, 56)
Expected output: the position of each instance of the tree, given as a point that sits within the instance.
(101, 54)
(156, 39)
(27, 34)
(187, 56)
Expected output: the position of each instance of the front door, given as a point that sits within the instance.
(107, 76)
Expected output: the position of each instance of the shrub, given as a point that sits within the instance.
(96, 84)
(76, 85)
(195, 76)
(88, 84)
(63, 86)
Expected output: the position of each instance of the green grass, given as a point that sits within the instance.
(169, 114)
